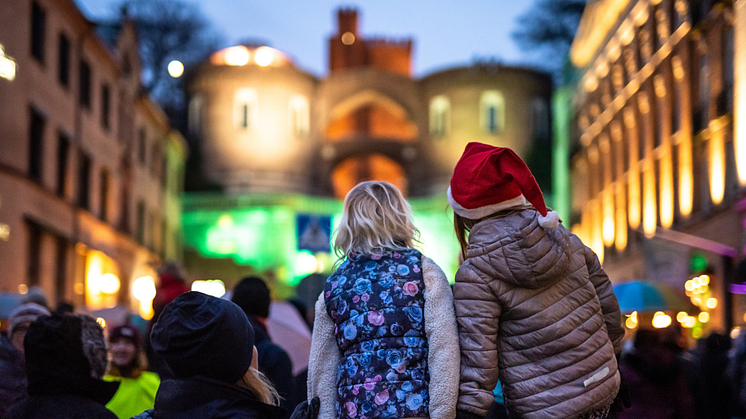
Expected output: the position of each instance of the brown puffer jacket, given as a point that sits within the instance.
(535, 306)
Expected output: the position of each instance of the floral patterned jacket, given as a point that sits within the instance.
(381, 323)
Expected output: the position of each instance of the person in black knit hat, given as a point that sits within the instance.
(208, 344)
(252, 295)
(65, 360)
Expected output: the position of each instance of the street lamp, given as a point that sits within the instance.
(175, 69)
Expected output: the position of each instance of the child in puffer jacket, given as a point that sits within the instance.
(533, 304)
(385, 343)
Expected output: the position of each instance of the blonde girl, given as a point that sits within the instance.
(385, 342)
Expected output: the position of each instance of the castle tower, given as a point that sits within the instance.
(348, 49)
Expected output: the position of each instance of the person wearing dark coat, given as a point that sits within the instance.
(252, 295)
(65, 360)
(12, 363)
(657, 380)
(208, 344)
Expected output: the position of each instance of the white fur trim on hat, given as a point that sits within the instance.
(481, 212)
(550, 221)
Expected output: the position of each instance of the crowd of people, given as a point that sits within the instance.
(531, 306)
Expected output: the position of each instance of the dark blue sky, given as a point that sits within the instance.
(446, 33)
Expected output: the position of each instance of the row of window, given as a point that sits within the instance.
(37, 126)
(64, 55)
(246, 113)
(491, 115)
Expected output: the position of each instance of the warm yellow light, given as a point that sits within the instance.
(608, 220)
(704, 317)
(678, 68)
(621, 219)
(23, 289)
(630, 323)
(649, 215)
(348, 38)
(717, 165)
(214, 287)
(661, 320)
(697, 301)
(660, 85)
(175, 69)
(264, 56)
(143, 289)
(101, 322)
(739, 88)
(633, 316)
(686, 181)
(711, 302)
(238, 55)
(666, 188)
(681, 316)
(7, 66)
(597, 241)
(146, 309)
(591, 83)
(109, 284)
(689, 285)
(735, 332)
(689, 322)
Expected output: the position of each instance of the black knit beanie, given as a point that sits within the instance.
(198, 334)
(66, 354)
(252, 295)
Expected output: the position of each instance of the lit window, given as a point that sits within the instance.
(440, 109)
(244, 110)
(299, 115)
(492, 112)
(195, 115)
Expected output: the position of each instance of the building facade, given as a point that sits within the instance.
(657, 171)
(265, 127)
(90, 170)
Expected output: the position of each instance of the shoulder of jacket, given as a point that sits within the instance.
(467, 272)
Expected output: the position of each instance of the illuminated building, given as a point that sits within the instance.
(90, 170)
(656, 173)
(280, 142)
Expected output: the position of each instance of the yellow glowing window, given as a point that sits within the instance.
(245, 107)
(299, 115)
(440, 109)
(492, 112)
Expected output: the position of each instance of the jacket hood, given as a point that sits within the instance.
(202, 397)
(513, 247)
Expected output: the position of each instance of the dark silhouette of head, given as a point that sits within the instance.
(252, 295)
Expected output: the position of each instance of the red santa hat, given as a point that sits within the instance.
(488, 179)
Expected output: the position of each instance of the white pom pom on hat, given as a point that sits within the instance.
(488, 179)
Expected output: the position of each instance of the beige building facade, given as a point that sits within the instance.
(90, 170)
(264, 125)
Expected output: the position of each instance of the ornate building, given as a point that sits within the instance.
(265, 126)
(90, 170)
(658, 169)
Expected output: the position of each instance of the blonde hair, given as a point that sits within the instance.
(376, 217)
(260, 386)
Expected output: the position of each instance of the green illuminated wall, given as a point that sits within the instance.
(259, 230)
(562, 116)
